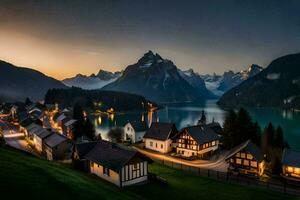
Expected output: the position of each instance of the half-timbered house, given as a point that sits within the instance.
(246, 158)
(196, 141)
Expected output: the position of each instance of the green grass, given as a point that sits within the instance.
(23, 176)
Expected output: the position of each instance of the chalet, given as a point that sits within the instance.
(134, 131)
(246, 158)
(159, 137)
(112, 162)
(38, 138)
(196, 141)
(291, 165)
(58, 147)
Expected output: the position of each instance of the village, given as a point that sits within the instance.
(46, 132)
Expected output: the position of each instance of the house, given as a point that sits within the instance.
(196, 141)
(134, 131)
(28, 130)
(246, 158)
(39, 136)
(67, 126)
(291, 165)
(112, 162)
(58, 147)
(159, 137)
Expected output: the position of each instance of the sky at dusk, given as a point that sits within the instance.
(63, 38)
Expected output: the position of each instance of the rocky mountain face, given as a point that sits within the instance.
(17, 83)
(94, 81)
(160, 80)
(221, 84)
(276, 86)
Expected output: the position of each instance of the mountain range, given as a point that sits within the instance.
(93, 81)
(278, 85)
(219, 84)
(160, 80)
(17, 83)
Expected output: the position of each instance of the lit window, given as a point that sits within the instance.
(253, 164)
(213, 143)
(249, 156)
(290, 169)
(297, 171)
(243, 155)
(238, 155)
(246, 162)
(238, 161)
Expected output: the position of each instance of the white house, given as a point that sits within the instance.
(114, 163)
(134, 131)
(159, 137)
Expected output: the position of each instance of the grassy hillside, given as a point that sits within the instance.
(24, 176)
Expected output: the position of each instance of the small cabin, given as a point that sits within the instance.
(58, 147)
(197, 141)
(112, 162)
(134, 131)
(159, 137)
(246, 158)
(68, 126)
(291, 165)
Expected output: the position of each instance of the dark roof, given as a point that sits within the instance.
(215, 126)
(42, 133)
(26, 122)
(249, 147)
(291, 158)
(55, 139)
(161, 131)
(138, 125)
(202, 134)
(84, 148)
(111, 155)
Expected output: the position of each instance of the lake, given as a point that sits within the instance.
(189, 113)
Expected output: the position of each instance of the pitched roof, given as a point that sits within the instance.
(42, 133)
(111, 155)
(70, 122)
(291, 158)
(84, 148)
(55, 139)
(138, 125)
(202, 134)
(249, 147)
(215, 126)
(161, 131)
(61, 117)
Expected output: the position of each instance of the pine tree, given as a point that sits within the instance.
(229, 130)
(278, 140)
(89, 129)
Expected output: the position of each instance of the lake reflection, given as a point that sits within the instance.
(189, 113)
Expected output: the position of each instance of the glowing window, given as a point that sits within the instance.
(238, 161)
(297, 170)
(249, 156)
(253, 164)
(238, 155)
(213, 143)
(246, 162)
(290, 169)
(243, 155)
